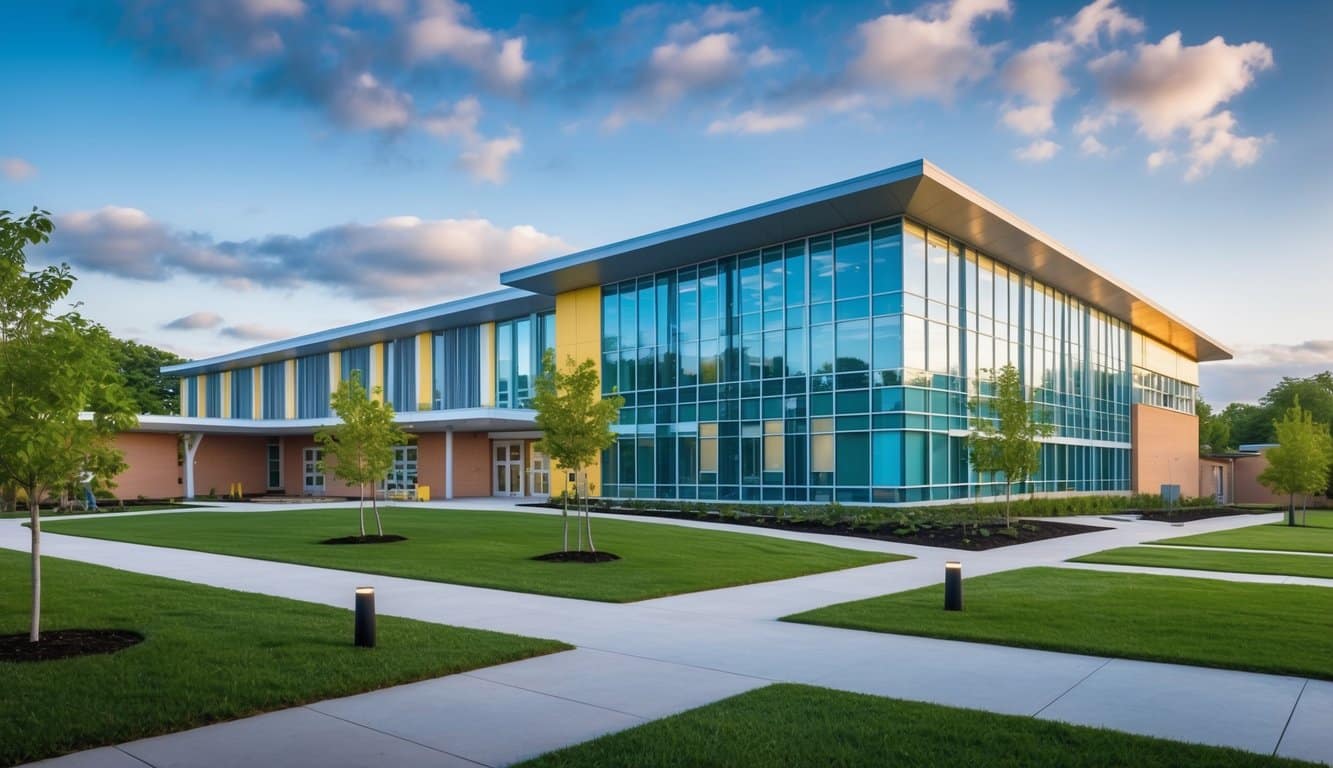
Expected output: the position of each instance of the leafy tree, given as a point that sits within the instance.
(359, 449)
(140, 366)
(575, 422)
(1247, 423)
(1299, 462)
(54, 367)
(1004, 433)
(1214, 431)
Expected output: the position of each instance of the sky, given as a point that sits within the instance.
(227, 172)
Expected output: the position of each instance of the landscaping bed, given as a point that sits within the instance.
(207, 655)
(922, 526)
(1190, 514)
(793, 726)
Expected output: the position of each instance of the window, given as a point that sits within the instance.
(274, 376)
(708, 447)
(242, 393)
(774, 447)
(456, 368)
(821, 269)
(886, 257)
(312, 386)
(852, 261)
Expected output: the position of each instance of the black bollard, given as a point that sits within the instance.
(953, 586)
(365, 617)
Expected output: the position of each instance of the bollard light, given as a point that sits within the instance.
(953, 586)
(365, 617)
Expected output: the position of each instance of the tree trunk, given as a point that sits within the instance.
(379, 524)
(564, 515)
(587, 513)
(1291, 509)
(34, 509)
(361, 512)
(1008, 492)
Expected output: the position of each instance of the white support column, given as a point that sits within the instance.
(449, 462)
(191, 442)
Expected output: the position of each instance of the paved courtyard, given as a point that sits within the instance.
(641, 661)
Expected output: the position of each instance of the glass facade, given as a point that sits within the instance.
(840, 366)
(242, 393)
(456, 371)
(274, 376)
(519, 346)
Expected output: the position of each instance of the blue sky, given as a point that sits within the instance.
(226, 172)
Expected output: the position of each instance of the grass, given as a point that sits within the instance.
(796, 725)
(209, 655)
(1315, 536)
(104, 508)
(1275, 628)
(1203, 560)
(490, 549)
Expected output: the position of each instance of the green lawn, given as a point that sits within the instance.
(1316, 536)
(1261, 627)
(795, 726)
(1203, 560)
(209, 655)
(490, 549)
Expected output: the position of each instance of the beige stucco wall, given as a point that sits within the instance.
(153, 471)
(225, 459)
(1166, 450)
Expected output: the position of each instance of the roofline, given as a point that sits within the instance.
(485, 307)
(484, 418)
(918, 190)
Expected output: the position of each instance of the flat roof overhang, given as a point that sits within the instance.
(918, 190)
(459, 420)
(485, 308)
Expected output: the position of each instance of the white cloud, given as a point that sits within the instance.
(17, 169)
(719, 16)
(1167, 86)
(194, 321)
(367, 103)
(1032, 120)
(1213, 139)
(763, 56)
(1092, 147)
(675, 69)
(1160, 158)
(412, 257)
(1257, 368)
(930, 53)
(1099, 16)
(1094, 122)
(1170, 88)
(445, 30)
(1037, 72)
(485, 160)
(254, 332)
(1038, 151)
(755, 121)
(258, 9)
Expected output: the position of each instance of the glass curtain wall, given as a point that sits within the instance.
(312, 386)
(456, 368)
(274, 379)
(840, 366)
(242, 393)
(519, 346)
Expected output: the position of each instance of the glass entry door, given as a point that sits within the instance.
(539, 474)
(313, 483)
(508, 468)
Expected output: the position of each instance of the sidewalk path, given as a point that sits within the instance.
(639, 661)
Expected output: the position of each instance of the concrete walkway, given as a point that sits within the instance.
(645, 660)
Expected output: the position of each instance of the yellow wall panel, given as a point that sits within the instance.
(487, 344)
(201, 402)
(335, 371)
(289, 379)
(226, 394)
(257, 391)
(376, 371)
(425, 371)
(578, 334)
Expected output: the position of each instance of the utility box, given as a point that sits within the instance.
(423, 493)
(1171, 495)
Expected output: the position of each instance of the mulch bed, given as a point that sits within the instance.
(577, 557)
(1190, 514)
(967, 537)
(386, 539)
(66, 644)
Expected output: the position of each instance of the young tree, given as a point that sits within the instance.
(575, 421)
(1004, 433)
(359, 450)
(1299, 462)
(54, 369)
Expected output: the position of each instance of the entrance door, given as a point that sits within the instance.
(1220, 493)
(508, 468)
(403, 477)
(539, 474)
(313, 483)
(273, 460)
